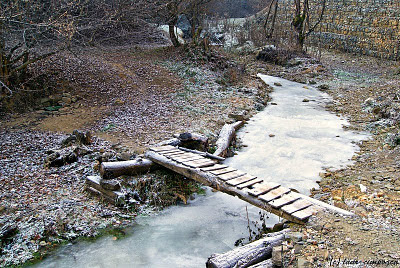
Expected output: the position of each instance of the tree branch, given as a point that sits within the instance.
(6, 87)
(319, 19)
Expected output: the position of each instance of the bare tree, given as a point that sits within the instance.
(305, 20)
(32, 30)
(194, 11)
(270, 19)
(24, 27)
(302, 21)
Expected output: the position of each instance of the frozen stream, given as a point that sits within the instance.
(289, 143)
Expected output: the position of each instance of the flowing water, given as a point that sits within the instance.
(289, 143)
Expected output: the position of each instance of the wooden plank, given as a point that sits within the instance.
(296, 206)
(181, 160)
(162, 148)
(198, 164)
(205, 154)
(249, 183)
(231, 175)
(241, 179)
(222, 171)
(262, 188)
(168, 153)
(186, 155)
(284, 200)
(215, 167)
(274, 194)
(305, 213)
(203, 160)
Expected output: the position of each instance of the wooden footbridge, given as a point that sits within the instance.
(269, 196)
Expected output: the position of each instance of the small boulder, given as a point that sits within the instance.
(124, 156)
(193, 141)
(82, 150)
(239, 116)
(172, 142)
(83, 137)
(323, 87)
(69, 140)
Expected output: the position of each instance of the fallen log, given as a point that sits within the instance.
(205, 154)
(225, 137)
(110, 170)
(247, 255)
(93, 185)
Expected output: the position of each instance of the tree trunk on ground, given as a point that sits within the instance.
(247, 255)
(226, 135)
(110, 170)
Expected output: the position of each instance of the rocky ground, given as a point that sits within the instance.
(366, 91)
(128, 98)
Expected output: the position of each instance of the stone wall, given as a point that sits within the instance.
(370, 27)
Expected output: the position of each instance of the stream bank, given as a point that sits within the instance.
(185, 236)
